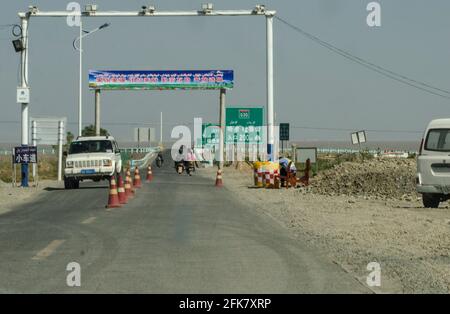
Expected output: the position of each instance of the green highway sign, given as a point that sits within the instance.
(244, 125)
(210, 134)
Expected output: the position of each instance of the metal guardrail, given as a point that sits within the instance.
(132, 150)
(141, 163)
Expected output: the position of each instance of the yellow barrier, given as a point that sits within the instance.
(260, 168)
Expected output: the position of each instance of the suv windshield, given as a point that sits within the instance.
(98, 146)
(438, 140)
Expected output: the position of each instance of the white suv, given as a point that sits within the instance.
(96, 158)
(433, 164)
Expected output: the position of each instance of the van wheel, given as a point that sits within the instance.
(430, 200)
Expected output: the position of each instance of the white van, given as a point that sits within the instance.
(433, 164)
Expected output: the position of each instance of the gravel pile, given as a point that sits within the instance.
(377, 178)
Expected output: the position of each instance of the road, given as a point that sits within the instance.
(180, 234)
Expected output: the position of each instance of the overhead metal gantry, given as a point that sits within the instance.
(149, 12)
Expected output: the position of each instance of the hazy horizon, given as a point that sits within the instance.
(319, 93)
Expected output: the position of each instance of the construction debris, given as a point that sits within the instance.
(377, 178)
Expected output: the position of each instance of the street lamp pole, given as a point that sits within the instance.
(80, 87)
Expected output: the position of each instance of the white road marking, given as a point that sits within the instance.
(89, 220)
(48, 250)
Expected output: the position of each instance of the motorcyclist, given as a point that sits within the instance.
(189, 163)
(180, 158)
(159, 159)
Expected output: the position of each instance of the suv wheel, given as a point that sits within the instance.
(430, 200)
(68, 183)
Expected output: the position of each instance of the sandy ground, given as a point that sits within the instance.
(10, 196)
(411, 243)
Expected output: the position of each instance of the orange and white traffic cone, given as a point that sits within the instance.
(123, 199)
(130, 181)
(219, 182)
(137, 178)
(113, 200)
(128, 188)
(149, 174)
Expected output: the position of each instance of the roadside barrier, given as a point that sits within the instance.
(219, 182)
(267, 177)
(265, 174)
(113, 201)
(121, 191)
(149, 173)
(276, 183)
(137, 178)
(260, 177)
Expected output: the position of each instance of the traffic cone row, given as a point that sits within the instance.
(128, 185)
(149, 173)
(137, 178)
(120, 192)
(113, 201)
(219, 178)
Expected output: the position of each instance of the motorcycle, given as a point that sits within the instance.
(190, 167)
(159, 161)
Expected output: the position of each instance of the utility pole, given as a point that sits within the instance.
(24, 84)
(97, 112)
(80, 87)
(161, 130)
(222, 127)
(270, 124)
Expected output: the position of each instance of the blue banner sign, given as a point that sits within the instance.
(161, 80)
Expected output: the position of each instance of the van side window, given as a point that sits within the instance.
(438, 140)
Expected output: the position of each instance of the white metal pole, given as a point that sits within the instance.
(270, 135)
(160, 129)
(80, 87)
(34, 143)
(60, 144)
(97, 112)
(24, 79)
(222, 128)
(24, 83)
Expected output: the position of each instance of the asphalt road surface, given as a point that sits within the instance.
(180, 234)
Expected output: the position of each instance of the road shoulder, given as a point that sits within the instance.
(410, 243)
(16, 197)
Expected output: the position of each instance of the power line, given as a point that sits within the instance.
(371, 66)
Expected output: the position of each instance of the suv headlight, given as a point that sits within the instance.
(69, 164)
(107, 162)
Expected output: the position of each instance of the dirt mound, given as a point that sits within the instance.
(378, 178)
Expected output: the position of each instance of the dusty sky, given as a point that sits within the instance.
(313, 87)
